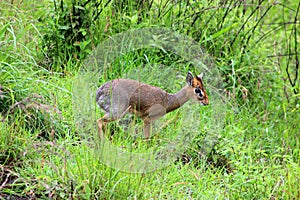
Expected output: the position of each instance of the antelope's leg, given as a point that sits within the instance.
(106, 118)
(155, 112)
(147, 126)
(124, 113)
(102, 122)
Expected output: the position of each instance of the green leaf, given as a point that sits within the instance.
(2, 31)
(64, 27)
(224, 30)
(80, 7)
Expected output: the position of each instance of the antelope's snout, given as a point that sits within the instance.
(204, 102)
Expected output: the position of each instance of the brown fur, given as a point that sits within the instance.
(120, 96)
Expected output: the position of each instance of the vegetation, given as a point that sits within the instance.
(255, 48)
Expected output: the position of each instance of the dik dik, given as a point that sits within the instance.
(120, 96)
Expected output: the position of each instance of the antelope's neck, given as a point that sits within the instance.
(178, 99)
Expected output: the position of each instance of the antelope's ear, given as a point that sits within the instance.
(189, 78)
(201, 76)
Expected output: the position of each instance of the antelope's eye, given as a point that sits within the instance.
(199, 92)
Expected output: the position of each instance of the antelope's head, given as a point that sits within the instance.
(196, 85)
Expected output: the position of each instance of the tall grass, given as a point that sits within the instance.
(256, 154)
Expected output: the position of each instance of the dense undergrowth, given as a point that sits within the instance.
(254, 46)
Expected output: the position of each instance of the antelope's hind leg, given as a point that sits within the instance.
(102, 122)
(106, 118)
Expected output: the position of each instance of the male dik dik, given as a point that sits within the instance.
(119, 96)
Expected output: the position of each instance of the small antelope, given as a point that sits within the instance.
(120, 96)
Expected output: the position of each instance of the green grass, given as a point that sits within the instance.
(255, 155)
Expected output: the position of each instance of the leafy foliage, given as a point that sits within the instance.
(68, 34)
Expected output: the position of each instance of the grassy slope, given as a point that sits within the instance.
(260, 141)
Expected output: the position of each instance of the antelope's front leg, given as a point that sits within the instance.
(155, 112)
(147, 127)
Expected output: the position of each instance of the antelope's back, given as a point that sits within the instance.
(116, 96)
